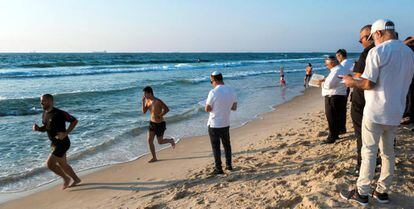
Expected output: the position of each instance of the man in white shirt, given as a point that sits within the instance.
(386, 79)
(220, 102)
(348, 65)
(334, 92)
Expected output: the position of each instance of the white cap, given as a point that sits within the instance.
(381, 24)
(215, 73)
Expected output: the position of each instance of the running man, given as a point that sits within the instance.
(308, 75)
(157, 125)
(54, 123)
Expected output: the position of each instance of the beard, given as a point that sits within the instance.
(45, 107)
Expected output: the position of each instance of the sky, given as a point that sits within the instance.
(194, 25)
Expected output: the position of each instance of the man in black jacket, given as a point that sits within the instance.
(357, 98)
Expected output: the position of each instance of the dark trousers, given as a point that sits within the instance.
(215, 135)
(356, 115)
(409, 104)
(335, 111)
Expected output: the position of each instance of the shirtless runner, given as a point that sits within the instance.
(157, 125)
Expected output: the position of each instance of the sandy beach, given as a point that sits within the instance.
(278, 160)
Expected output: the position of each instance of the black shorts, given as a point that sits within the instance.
(60, 147)
(158, 128)
(308, 76)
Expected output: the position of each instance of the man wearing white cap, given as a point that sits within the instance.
(386, 79)
(220, 102)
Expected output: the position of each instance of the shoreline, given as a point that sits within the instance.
(14, 195)
(16, 199)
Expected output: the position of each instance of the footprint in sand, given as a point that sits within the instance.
(290, 152)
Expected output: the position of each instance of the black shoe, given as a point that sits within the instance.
(381, 197)
(229, 168)
(354, 196)
(217, 172)
(406, 121)
(353, 172)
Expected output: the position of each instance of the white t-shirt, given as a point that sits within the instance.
(348, 65)
(221, 99)
(332, 84)
(391, 66)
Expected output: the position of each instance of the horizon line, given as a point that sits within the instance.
(161, 52)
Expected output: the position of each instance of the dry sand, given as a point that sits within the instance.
(278, 160)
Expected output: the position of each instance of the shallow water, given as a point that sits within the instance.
(103, 91)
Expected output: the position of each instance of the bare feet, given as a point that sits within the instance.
(65, 184)
(173, 143)
(75, 182)
(152, 160)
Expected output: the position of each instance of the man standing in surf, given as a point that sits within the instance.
(157, 125)
(220, 102)
(54, 123)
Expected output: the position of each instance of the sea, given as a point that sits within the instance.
(104, 90)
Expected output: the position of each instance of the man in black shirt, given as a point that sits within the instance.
(357, 98)
(408, 117)
(54, 123)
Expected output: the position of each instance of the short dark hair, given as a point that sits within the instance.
(366, 27)
(342, 52)
(48, 96)
(309, 64)
(218, 77)
(148, 89)
(331, 58)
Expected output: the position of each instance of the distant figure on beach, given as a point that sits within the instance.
(335, 99)
(357, 96)
(54, 123)
(387, 76)
(308, 75)
(282, 77)
(157, 125)
(220, 102)
(408, 117)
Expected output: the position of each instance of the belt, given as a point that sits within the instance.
(334, 95)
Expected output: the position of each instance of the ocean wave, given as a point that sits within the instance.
(107, 63)
(19, 107)
(29, 105)
(135, 67)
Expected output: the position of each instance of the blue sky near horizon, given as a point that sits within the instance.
(193, 26)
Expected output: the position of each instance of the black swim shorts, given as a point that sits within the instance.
(158, 128)
(60, 147)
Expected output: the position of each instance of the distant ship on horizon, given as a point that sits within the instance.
(99, 52)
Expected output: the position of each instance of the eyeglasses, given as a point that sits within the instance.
(363, 37)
